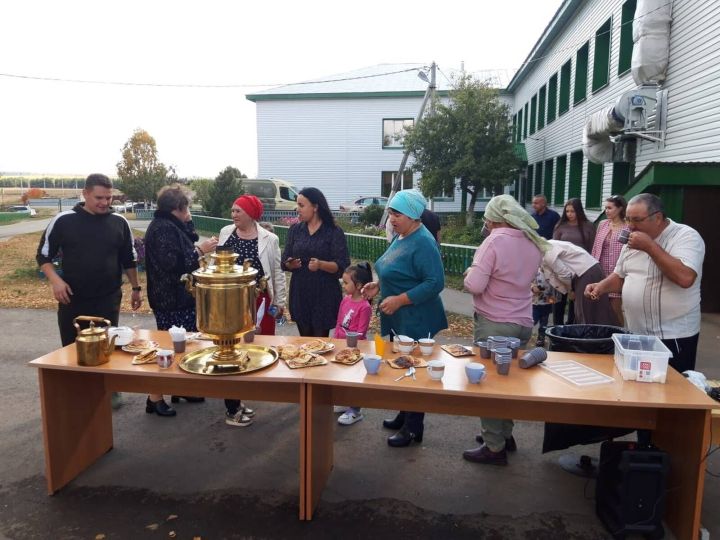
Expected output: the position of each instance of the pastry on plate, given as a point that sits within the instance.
(349, 356)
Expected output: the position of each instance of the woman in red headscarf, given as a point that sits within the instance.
(262, 247)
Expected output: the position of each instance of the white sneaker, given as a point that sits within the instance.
(247, 411)
(349, 417)
(237, 419)
(339, 409)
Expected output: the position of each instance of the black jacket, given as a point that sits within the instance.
(169, 253)
(95, 249)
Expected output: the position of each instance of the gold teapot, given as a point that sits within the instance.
(93, 345)
(225, 296)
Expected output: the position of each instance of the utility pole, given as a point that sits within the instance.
(397, 181)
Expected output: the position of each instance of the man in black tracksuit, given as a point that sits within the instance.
(96, 246)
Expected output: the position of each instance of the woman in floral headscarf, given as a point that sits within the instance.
(499, 279)
(262, 247)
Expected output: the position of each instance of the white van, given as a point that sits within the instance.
(275, 194)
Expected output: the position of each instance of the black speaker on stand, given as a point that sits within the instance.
(630, 489)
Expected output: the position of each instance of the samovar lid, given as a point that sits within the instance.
(224, 268)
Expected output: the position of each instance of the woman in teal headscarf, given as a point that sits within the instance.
(411, 278)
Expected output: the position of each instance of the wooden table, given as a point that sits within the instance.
(77, 419)
(676, 412)
(76, 412)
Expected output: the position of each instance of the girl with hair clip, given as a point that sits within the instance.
(353, 316)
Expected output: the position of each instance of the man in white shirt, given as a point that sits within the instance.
(659, 273)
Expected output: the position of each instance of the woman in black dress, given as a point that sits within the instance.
(316, 253)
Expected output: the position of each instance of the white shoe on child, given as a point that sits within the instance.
(349, 417)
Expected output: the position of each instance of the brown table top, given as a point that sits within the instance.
(535, 384)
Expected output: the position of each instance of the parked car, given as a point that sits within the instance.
(21, 208)
(359, 204)
(275, 194)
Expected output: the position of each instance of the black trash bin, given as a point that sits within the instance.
(583, 338)
(588, 339)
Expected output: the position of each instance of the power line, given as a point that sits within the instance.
(170, 85)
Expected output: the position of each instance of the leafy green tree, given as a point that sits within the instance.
(139, 170)
(201, 188)
(466, 142)
(223, 191)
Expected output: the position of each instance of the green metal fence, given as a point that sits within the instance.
(456, 258)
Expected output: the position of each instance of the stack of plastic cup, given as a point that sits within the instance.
(503, 357)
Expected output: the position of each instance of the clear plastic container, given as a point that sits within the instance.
(641, 358)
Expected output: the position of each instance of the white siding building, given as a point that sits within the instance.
(336, 134)
(580, 65)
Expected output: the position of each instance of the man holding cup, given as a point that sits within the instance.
(659, 273)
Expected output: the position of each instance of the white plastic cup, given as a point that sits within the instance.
(426, 346)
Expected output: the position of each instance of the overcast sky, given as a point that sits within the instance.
(75, 128)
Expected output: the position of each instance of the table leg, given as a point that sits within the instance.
(685, 435)
(76, 422)
(317, 441)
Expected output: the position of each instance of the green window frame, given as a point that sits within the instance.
(542, 96)
(581, 73)
(552, 98)
(525, 125)
(593, 190)
(576, 166)
(548, 179)
(626, 37)
(623, 174)
(533, 113)
(529, 183)
(560, 170)
(518, 134)
(565, 88)
(537, 187)
(601, 59)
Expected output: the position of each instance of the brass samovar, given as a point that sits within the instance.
(225, 297)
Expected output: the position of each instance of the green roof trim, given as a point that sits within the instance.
(667, 180)
(520, 151)
(341, 95)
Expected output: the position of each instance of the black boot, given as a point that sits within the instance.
(159, 407)
(404, 437)
(396, 423)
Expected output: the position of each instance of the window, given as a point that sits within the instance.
(564, 88)
(626, 38)
(387, 179)
(581, 73)
(560, 180)
(601, 67)
(593, 192)
(533, 113)
(529, 184)
(576, 164)
(552, 98)
(525, 125)
(288, 193)
(547, 181)
(622, 176)
(514, 127)
(518, 135)
(394, 131)
(537, 188)
(541, 108)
